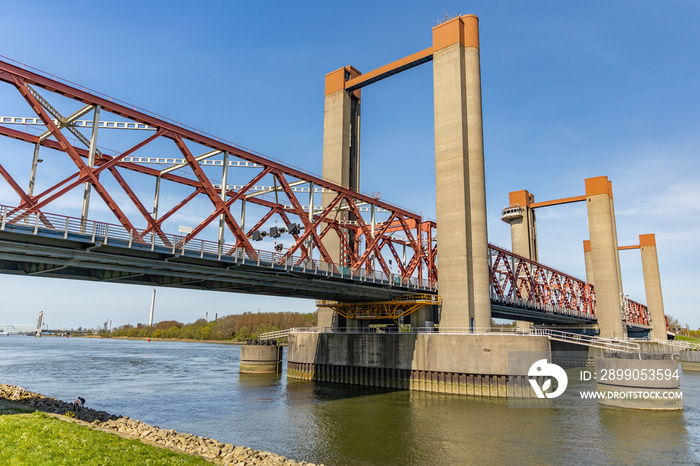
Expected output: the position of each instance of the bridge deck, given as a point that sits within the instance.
(27, 249)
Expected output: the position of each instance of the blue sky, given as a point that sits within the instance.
(571, 90)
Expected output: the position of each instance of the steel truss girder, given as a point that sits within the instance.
(26, 82)
(522, 282)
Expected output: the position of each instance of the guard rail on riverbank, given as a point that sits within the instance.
(679, 345)
(609, 344)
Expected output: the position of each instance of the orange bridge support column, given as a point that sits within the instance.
(652, 286)
(459, 172)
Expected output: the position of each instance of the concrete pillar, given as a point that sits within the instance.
(423, 317)
(459, 173)
(589, 264)
(341, 158)
(652, 286)
(261, 359)
(523, 230)
(604, 258)
(477, 176)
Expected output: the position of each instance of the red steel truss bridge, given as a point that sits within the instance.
(254, 224)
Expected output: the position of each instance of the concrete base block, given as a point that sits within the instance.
(261, 359)
(475, 365)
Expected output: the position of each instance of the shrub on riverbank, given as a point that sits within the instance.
(41, 439)
(237, 327)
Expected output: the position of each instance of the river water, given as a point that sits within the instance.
(196, 388)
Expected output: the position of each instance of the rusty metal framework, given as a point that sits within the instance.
(636, 313)
(393, 309)
(195, 172)
(518, 281)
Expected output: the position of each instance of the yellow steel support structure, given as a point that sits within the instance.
(397, 307)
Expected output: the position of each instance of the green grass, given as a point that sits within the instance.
(33, 439)
(690, 339)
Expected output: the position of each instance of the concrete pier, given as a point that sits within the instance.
(459, 174)
(605, 258)
(261, 359)
(442, 363)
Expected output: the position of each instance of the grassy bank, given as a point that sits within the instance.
(38, 438)
(688, 339)
(38, 430)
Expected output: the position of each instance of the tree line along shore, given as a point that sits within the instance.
(236, 327)
(33, 433)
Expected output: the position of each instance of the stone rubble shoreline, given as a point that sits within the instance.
(210, 449)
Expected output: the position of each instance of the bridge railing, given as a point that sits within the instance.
(679, 345)
(609, 344)
(414, 330)
(277, 335)
(105, 234)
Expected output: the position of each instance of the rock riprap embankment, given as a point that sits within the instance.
(51, 405)
(213, 450)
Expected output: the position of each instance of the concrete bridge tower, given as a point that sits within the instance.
(605, 259)
(523, 229)
(341, 158)
(652, 286)
(459, 165)
(459, 174)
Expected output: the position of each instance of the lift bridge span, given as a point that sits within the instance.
(276, 217)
